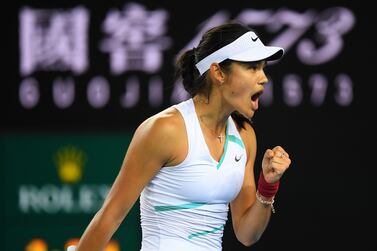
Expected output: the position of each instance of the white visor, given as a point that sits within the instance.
(246, 48)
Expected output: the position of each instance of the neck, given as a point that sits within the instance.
(212, 113)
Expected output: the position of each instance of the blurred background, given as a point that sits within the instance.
(80, 76)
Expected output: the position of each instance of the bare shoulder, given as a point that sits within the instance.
(165, 133)
(166, 123)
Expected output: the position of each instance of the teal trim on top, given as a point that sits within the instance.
(178, 207)
(236, 140)
(225, 147)
(197, 234)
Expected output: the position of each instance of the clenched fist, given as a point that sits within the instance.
(275, 162)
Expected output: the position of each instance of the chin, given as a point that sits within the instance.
(249, 114)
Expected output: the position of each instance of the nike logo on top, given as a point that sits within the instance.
(254, 39)
(237, 157)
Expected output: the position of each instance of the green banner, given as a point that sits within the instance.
(53, 184)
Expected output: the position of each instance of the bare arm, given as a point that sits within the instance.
(150, 148)
(250, 217)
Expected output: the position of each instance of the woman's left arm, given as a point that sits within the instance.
(249, 216)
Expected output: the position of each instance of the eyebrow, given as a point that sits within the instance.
(262, 63)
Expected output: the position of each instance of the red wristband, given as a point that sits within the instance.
(266, 189)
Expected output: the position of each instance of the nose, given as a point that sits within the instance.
(263, 78)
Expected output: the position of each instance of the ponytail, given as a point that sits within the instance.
(185, 69)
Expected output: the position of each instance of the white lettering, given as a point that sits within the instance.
(292, 90)
(132, 94)
(88, 199)
(53, 199)
(135, 38)
(331, 25)
(98, 92)
(63, 92)
(344, 93)
(52, 39)
(318, 84)
(29, 93)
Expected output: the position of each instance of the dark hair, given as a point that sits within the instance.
(212, 40)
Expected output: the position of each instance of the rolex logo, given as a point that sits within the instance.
(69, 161)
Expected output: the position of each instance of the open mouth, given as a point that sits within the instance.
(256, 95)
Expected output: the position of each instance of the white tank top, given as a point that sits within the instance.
(185, 207)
